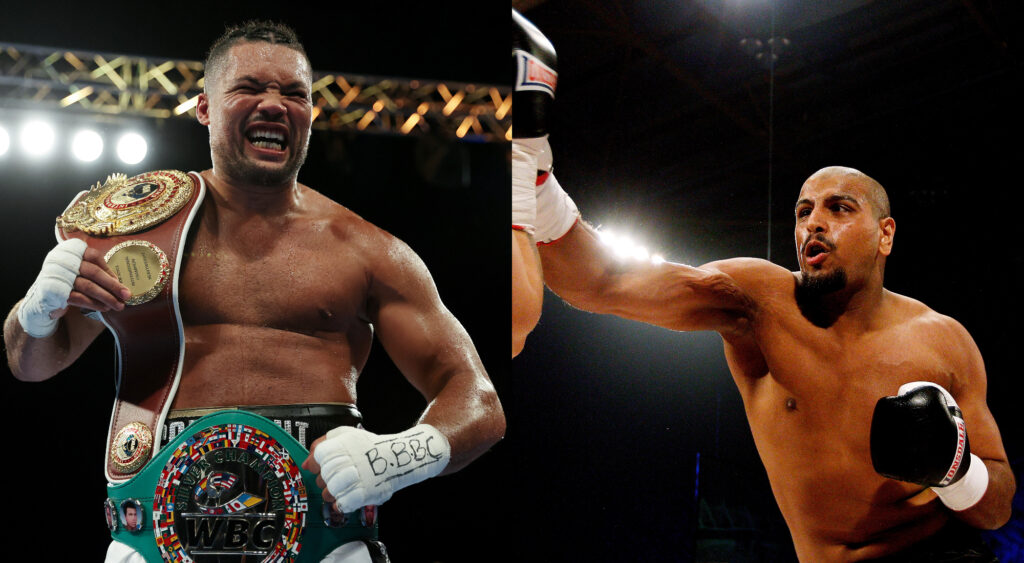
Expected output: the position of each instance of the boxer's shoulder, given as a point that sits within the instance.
(912, 314)
(341, 221)
(754, 276)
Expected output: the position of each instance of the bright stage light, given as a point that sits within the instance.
(624, 247)
(131, 148)
(87, 145)
(37, 138)
(5, 141)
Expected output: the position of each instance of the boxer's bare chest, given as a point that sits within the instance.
(802, 381)
(836, 372)
(280, 305)
(296, 276)
(810, 407)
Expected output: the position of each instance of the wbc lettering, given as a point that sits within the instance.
(254, 534)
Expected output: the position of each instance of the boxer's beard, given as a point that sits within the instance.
(819, 285)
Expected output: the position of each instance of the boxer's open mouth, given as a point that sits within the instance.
(816, 251)
(815, 248)
(263, 137)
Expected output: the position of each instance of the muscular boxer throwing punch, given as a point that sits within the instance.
(867, 407)
(281, 293)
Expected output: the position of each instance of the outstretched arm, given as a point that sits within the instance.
(584, 272)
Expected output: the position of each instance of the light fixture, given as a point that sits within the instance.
(87, 145)
(131, 148)
(37, 138)
(625, 248)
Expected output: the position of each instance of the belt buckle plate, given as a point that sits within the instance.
(230, 489)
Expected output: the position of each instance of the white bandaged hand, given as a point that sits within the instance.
(361, 468)
(556, 212)
(51, 289)
(524, 182)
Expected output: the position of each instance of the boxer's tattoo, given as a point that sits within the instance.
(403, 453)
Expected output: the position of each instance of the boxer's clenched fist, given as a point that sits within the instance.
(919, 436)
(72, 274)
(356, 468)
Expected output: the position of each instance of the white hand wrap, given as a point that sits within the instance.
(524, 181)
(967, 491)
(556, 212)
(51, 289)
(361, 468)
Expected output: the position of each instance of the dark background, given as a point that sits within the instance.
(455, 217)
(663, 128)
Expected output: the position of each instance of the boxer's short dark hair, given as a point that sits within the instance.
(251, 31)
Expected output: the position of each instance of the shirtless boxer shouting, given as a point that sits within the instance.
(867, 407)
(281, 294)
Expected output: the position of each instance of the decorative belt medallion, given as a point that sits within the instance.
(230, 490)
(122, 205)
(142, 267)
(110, 511)
(131, 447)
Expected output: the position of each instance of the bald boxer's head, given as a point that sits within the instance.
(844, 231)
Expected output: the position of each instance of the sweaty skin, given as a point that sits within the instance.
(810, 371)
(527, 289)
(281, 289)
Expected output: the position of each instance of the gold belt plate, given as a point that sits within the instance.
(122, 205)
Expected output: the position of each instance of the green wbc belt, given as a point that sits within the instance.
(230, 487)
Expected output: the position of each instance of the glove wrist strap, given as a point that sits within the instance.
(966, 492)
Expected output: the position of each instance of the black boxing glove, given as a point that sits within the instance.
(533, 61)
(919, 436)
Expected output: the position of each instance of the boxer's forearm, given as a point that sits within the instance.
(467, 411)
(580, 269)
(33, 359)
(527, 289)
(38, 359)
(993, 510)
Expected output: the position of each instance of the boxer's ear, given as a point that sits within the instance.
(203, 109)
(887, 227)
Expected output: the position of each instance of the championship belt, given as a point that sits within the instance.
(231, 488)
(140, 224)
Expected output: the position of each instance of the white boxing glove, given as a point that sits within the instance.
(525, 153)
(51, 289)
(361, 468)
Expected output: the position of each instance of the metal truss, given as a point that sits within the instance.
(113, 84)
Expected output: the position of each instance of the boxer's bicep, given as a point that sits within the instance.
(587, 274)
(970, 389)
(421, 336)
